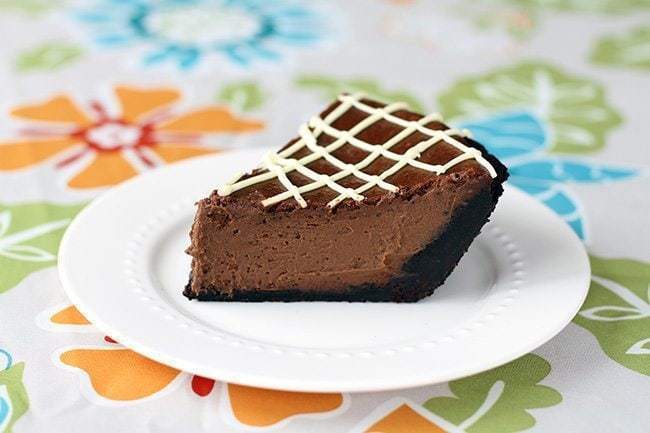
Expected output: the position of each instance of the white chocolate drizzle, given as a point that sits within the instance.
(277, 165)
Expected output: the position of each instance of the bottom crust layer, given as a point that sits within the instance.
(421, 275)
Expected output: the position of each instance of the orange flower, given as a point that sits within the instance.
(116, 374)
(115, 147)
(400, 415)
(113, 372)
(259, 407)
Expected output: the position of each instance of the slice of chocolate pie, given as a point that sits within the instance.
(371, 202)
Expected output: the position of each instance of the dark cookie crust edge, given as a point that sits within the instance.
(422, 273)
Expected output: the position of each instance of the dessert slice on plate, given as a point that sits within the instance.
(371, 202)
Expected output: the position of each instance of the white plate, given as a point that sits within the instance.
(122, 264)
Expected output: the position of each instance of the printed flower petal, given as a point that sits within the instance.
(21, 154)
(554, 169)
(499, 399)
(617, 310)
(510, 134)
(557, 197)
(121, 374)
(264, 407)
(57, 109)
(38, 224)
(138, 102)
(404, 420)
(48, 56)
(245, 95)
(154, 26)
(108, 168)
(6, 360)
(69, 316)
(211, 119)
(177, 152)
(575, 111)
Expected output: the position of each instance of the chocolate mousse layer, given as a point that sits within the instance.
(398, 242)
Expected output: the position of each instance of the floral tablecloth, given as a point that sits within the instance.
(95, 92)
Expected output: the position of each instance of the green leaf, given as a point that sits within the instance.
(47, 57)
(617, 311)
(11, 385)
(631, 49)
(498, 400)
(574, 109)
(519, 22)
(244, 95)
(29, 6)
(29, 238)
(330, 88)
(602, 6)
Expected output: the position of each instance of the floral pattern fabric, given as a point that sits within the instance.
(96, 92)
(143, 134)
(185, 31)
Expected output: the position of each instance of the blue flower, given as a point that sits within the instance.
(5, 408)
(184, 31)
(520, 140)
(5, 360)
(5, 402)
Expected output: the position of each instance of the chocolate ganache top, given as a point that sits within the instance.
(357, 151)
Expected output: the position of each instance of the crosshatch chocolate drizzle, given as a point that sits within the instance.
(277, 165)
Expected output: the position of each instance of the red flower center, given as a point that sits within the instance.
(115, 134)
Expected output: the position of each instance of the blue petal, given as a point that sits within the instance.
(119, 22)
(247, 3)
(510, 134)
(293, 12)
(234, 54)
(94, 17)
(296, 37)
(560, 203)
(556, 169)
(158, 56)
(114, 39)
(107, 12)
(4, 411)
(5, 360)
(578, 226)
(185, 58)
(129, 3)
(262, 52)
(557, 198)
